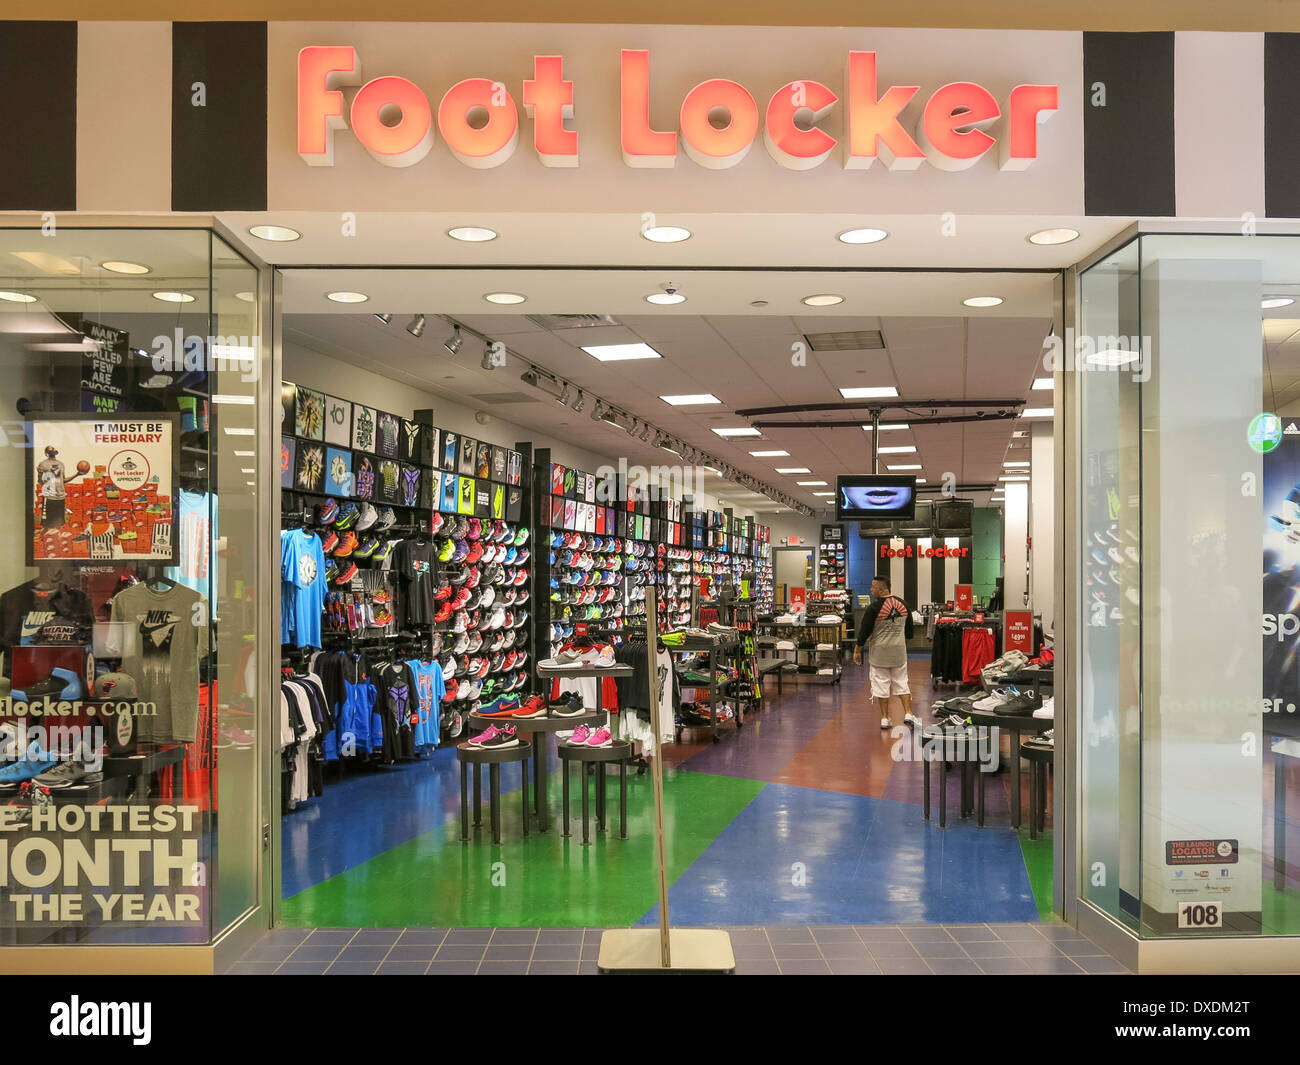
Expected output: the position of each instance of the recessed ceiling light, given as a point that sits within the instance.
(691, 400)
(739, 431)
(862, 236)
(246, 400)
(237, 431)
(274, 232)
(1019, 433)
(793, 469)
(121, 266)
(247, 297)
(506, 298)
(870, 392)
(1269, 302)
(1043, 384)
(666, 234)
(1014, 477)
(1112, 358)
(982, 301)
(823, 493)
(245, 454)
(347, 297)
(174, 297)
(472, 234)
(1062, 235)
(886, 427)
(810, 484)
(912, 467)
(1037, 412)
(621, 352)
(922, 480)
(665, 299)
(17, 297)
(248, 469)
(1008, 465)
(897, 449)
(770, 454)
(823, 299)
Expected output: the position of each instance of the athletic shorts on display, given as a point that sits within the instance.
(886, 682)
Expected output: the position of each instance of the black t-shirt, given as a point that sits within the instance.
(416, 563)
(16, 604)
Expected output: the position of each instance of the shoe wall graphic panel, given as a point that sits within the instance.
(102, 488)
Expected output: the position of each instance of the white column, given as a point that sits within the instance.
(1042, 501)
(1015, 527)
(923, 571)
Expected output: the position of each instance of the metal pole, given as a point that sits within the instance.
(657, 771)
(875, 440)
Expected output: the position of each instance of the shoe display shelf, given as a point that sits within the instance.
(718, 652)
(595, 585)
(818, 648)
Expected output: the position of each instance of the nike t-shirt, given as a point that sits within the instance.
(417, 565)
(302, 573)
(429, 690)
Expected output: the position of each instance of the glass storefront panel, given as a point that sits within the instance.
(127, 734)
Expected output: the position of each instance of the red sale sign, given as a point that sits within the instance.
(965, 594)
(798, 598)
(1018, 631)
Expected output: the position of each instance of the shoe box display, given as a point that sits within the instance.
(832, 566)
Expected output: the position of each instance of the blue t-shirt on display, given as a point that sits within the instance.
(302, 572)
(430, 688)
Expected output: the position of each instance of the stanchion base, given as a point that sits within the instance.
(636, 952)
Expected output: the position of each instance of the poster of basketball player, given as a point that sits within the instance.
(102, 488)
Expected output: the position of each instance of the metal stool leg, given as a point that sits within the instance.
(925, 771)
(582, 777)
(478, 795)
(600, 796)
(564, 775)
(464, 801)
(524, 791)
(622, 800)
(1033, 800)
(943, 792)
(494, 801)
(978, 770)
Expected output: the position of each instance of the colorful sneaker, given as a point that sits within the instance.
(367, 549)
(382, 618)
(329, 540)
(383, 596)
(443, 614)
(346, 574)
(533, 706)
(447, 550)
(580, 736)
(502, 707)
(329, 511)
(602, 737)
(347, 545)
(348, 515)
(383, 551)
(387, 519)
(506, 737)
(487, 734)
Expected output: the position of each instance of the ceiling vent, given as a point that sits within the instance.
(847, 340)
(496, 399)
(553, 323)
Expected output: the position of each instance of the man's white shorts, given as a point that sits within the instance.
(886, 682)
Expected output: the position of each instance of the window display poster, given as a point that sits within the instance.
(310, 414)
(104, 483)
(466, 456)
(557, 512)
(571, 483)
(409, 485)
(338, 421)
(433, 447)
(589, 487)
(363, 428)
(570, 514)
(483, 499)
(287, 448)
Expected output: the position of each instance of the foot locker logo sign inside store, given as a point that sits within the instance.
(478, 118)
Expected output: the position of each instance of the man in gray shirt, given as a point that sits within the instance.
(885, 629)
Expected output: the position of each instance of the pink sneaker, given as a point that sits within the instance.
(580, 736)
(490, 733)
(601, 737)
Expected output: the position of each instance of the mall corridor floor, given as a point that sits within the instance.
(804, 817)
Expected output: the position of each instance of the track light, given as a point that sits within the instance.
(632, 425)
(563, 398)
(416, 326)
(452, 343)
(487, 362)
(578, 403)
(529, 377)
(645, 434)
(385, 318)
(597, 411)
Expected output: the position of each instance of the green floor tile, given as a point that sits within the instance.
(1038, 864)
(545, 880)
(1281, 911)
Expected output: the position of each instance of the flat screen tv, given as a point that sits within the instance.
(953, 517)
(875, 497)
(920, 525)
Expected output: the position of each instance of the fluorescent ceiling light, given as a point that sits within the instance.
(1269, 302)
(770, 454)
(1019, 433)
(251, 484)
(274, 232)
(823, 493)
(665, 299)
(810, 484)
(793, 469)
(1112, 357)
(472, 234)
(922, 480)
(245, 454)
(666, 234)
(1037, 412)
(1062, 235)
(886, 427)
(916, 466)
(862, 236)
(621, 352)
(504, 298)
(347, 297)
(871, 392)
(232, 431)
(248, 469)
(1043, 384)
(17, 297)
(174, 297)
(737, 431)
(247, 297)
(246, 400)
(691, 400)
(823, 299)
(897, 449)
(121, 266)
(48, 263)
(1008, 465)
(982, 301)
(1013, 477)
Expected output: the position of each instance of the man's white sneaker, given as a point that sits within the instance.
(911, 720)
(886, 723)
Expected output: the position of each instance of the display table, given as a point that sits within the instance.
(1039, 755)
(537, 727)
(144, 764)
(1015, 725)
(493, 758)
(618, 751)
